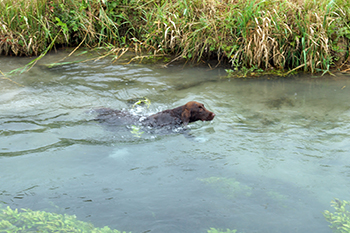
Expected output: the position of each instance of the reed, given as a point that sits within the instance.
(269, 34)
(263, 34)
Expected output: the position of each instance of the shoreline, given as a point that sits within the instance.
(247, 35)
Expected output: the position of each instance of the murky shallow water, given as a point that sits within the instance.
(273, 158)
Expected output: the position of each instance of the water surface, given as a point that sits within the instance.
(273, 158)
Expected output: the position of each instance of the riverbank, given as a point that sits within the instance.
(249, 35)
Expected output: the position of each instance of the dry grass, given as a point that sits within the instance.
(252, 33)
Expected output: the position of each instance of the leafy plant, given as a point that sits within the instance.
(41, 221)
(136, 131)
(340, 219)
(144, 101)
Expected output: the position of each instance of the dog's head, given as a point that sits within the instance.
(194, 111)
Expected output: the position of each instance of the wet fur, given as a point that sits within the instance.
(183, 115)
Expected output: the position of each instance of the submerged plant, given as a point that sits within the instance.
(136, 131)
(214, 230)
(28, 220)
(230, 187)
(340, 219)
(41, 221)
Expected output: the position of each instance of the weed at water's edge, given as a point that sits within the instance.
(279, 34)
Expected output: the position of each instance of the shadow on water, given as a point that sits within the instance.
(271, 161)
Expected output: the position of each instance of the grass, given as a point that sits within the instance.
(312, 36)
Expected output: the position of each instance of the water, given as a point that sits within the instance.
(273, 158)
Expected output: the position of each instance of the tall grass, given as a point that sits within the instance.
(27, 27)
(264, 34)
(270, 34)
(21, 25)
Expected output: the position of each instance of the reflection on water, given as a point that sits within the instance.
(273, 158)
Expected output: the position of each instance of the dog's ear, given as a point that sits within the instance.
(185, 117)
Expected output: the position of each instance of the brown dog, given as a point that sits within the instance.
(190, 112)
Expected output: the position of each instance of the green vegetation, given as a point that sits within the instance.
(340, 219)
(41, 221)
(230, 187)
(307, 35)
(213, 230)
(142, 102)
(135, 130)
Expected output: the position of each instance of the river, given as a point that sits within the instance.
(272, 160)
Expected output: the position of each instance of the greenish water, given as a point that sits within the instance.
(273, 158)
